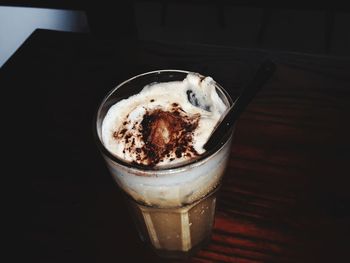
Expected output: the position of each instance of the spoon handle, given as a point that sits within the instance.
(262, 75)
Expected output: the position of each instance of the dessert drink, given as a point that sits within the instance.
(151, 130)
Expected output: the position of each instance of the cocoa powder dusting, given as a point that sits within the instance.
(166, 135)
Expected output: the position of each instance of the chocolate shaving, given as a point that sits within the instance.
(166, 135)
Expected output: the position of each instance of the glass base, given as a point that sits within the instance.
(176, 232)
(182, 255)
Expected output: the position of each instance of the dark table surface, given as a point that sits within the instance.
(285, 195)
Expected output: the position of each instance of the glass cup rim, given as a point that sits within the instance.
(144, 169)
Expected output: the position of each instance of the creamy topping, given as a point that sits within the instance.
(166, 123)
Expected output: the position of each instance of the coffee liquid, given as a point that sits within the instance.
(175, 232)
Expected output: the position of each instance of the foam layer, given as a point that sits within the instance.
(172, 188)
(165, 124)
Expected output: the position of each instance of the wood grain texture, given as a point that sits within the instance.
(285, 194)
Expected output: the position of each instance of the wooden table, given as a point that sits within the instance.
(285, 195)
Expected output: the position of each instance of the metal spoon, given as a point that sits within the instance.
(263, 74)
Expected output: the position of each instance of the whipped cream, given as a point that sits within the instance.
(166, 123)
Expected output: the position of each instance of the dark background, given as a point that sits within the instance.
(302, 26)
(72, 212)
